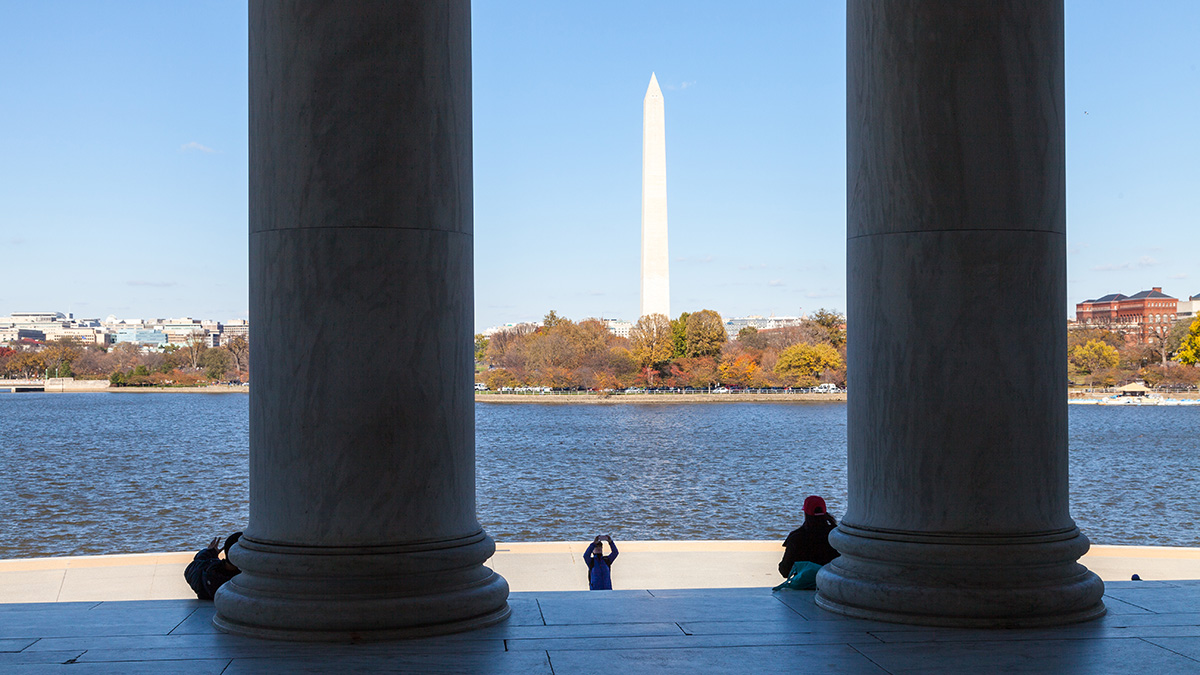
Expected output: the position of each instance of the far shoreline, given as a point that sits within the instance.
(616, 399)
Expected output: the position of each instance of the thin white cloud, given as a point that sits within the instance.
(197, 147)
(681, 86)
(152, 284)
(1181, 275)
(1141, 263)
(775, 282)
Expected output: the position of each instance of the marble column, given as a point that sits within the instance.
(958, 496)
(362, 438)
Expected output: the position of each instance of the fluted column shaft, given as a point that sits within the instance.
(958, 494)
(362, 481)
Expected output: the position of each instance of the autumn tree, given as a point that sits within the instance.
(481, 345)
(239, 349)
(804, 363)
(193, 346)
(698, 372)
(1189, 347)
(503, 347)
(741, 371)
(26, 363)
(1082, 336)
(705, 333)
(58, 355)
(1090, 358)
(6, 353)
(651, 341)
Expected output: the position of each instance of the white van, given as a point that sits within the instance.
(826, 388)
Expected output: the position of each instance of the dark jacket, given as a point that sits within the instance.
(599, 575)
(207, 572)
(809, 542)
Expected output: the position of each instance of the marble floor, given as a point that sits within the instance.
(1151, 627)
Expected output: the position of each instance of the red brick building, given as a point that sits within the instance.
(1146, 316)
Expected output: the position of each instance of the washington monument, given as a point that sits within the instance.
(656, 280)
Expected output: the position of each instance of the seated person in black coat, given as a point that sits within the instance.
(810, 541)
(208, 570)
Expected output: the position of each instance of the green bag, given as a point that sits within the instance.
(802, 578)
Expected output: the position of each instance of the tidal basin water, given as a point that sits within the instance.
(85, 474)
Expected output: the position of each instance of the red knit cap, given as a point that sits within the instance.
(814, 506)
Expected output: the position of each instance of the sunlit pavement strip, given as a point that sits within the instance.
(709, 610)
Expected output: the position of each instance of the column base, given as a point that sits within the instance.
(981, 581)
(369, 593)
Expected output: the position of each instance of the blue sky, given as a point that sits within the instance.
(123, 150)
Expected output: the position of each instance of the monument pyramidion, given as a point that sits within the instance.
(656, 290)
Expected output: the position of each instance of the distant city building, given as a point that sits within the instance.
(233, 329)
(489, 332)
(734, 326)
(1188, 309)
(51, 326)
(1145, 316)
(80, 334)
(618, 327)
(141, 337)
(12, 334)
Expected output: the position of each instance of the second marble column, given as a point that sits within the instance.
(958, 496)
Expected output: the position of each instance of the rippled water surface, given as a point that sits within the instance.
(125, 473)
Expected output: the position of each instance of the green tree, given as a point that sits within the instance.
(834, 324)
(679, 336)
(215, 362)
(705, 334)
(553, 319)
(1189, 348)
(804, 363)
(750, 337)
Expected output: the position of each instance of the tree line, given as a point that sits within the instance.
(127, 364)
(692, 350)
(1103, 358)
